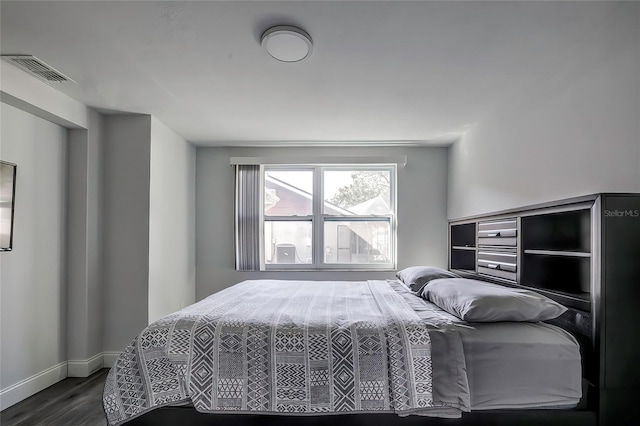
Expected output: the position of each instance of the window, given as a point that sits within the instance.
(329, 217)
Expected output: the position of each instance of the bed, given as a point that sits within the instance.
(268, 351)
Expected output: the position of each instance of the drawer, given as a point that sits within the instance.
(501, 264)
(511, 276)
(498, 233)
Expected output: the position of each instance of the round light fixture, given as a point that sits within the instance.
(286, 43)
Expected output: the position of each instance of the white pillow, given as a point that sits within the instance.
(416, 277)
(479, 301)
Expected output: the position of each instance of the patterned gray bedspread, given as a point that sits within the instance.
(298, 347)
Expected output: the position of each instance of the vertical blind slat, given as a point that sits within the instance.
(248, 217)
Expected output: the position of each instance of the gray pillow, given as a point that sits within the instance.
(479, 301)
(416, 277)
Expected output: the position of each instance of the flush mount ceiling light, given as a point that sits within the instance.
(286, 43)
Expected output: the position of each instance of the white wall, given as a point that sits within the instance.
(84, 247)
(94, 234)
(149, 217)
(422, 226)
(107, 217)
(32, 276)
(126, 226)
(171, 222)
(573, 132)
(83, 241)
(76, 245)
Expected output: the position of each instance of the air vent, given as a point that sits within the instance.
(37, 68)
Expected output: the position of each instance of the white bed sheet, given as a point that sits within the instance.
(521, 365)
(511, 365)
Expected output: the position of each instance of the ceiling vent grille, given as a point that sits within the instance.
(37, 68)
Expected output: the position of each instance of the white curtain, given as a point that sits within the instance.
(248, 204)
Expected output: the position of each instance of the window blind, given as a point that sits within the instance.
(248, 220)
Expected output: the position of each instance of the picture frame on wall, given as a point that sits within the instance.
(8, 173)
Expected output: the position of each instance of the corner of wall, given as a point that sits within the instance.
(172, 204)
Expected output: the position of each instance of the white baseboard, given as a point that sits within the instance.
(32, 385)
(109, 358)
(84, 368)
(73, 368)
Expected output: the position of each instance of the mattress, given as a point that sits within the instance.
(510, 365)
(521, 365)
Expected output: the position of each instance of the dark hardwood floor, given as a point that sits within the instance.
(75, 401)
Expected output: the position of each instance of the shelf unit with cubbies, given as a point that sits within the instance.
(583, 252)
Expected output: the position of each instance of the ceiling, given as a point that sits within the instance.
(380, 72)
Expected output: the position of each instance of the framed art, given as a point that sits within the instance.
(7, 203)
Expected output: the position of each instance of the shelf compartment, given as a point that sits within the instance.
(463, 235)
(463, 260)
(558, 232)
(566, 274)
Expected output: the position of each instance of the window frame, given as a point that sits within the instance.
(318, 218)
